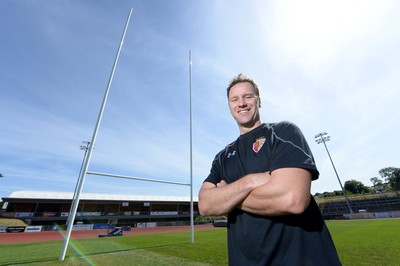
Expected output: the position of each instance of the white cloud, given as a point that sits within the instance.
(312, 32)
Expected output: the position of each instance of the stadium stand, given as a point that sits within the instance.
(49, 208)
(336, 207)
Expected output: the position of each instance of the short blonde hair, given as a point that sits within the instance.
(242, 78)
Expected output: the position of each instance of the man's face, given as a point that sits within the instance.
(244, 105)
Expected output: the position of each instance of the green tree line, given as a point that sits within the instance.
(388, 181)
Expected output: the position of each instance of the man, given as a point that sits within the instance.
(262, 181)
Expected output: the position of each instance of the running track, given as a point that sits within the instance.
(54, 235)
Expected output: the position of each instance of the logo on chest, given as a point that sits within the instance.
(257, 145)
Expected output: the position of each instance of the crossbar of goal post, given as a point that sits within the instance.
(164, 182)
(138, 178)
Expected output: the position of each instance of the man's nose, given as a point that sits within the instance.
(242, 101)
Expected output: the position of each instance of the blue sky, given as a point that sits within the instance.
(328, 66)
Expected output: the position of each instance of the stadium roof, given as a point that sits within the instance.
(49, 195)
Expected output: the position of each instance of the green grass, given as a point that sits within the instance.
(153, 249)
(367, 242)
(359, 242)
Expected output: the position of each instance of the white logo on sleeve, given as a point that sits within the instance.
(231, 154)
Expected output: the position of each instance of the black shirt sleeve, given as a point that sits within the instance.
(215, 176)
(290, 149)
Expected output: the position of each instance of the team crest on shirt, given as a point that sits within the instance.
(258, 144)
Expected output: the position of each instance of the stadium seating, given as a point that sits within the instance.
(336, 208)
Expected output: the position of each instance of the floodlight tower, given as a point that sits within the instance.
(322, 138)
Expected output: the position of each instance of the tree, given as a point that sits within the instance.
(376, 181)
(355, 187)
(377, 185)
(392, 176)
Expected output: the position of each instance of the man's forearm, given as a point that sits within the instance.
(288, 192)
(222, 199)
(263, 201)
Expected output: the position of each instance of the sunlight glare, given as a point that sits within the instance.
(312, 31)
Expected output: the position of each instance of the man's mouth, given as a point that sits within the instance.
(243, 111)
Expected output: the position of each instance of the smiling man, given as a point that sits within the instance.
(262, 181)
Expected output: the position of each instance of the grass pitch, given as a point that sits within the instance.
(367, 242)
(359, 242)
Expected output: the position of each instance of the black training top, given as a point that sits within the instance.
(280, 240)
